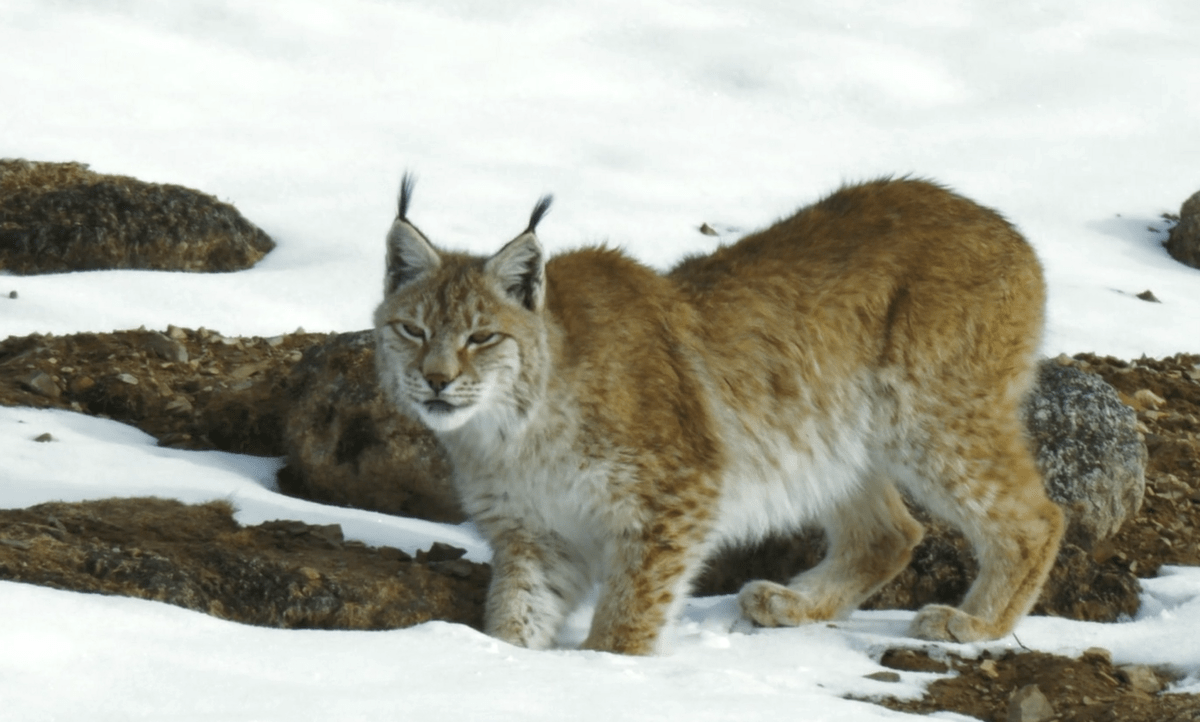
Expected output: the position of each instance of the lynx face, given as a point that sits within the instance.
(453, 330)
(445, 369)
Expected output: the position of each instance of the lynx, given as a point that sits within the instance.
(610, 424)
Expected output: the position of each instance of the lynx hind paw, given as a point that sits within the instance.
(939, 623)
(773, 605)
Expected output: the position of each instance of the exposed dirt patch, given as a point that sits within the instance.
(280, 573)
(191, 389)
(1166, 394)
(1088, 689)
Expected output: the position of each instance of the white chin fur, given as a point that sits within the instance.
(439, 422)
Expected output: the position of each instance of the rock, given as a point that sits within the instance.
(1147, 400)
(441, 552)
(911, 660)
(1141, 677)
(167, 348)
(178, 405)
(280, 574)
(347, 445)
(82, 384)
(42, 383)
(1089, 451)
(885, 676)
(1028, 704)
(1184, 241)
(62, 217)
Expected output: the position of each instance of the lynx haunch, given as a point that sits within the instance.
(611, 424)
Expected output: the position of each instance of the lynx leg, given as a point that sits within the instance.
(1015, 530)
(646, 585)
(536, 583)
(871, 538)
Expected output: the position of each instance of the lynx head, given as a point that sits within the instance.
(461, 337)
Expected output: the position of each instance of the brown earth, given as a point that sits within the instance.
(198, 389)
(280, 573)
(190, 389)
(1087, 689)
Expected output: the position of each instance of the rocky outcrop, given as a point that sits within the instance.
(191, 389)
(57, 217)
(1184, 241)
(278, 574)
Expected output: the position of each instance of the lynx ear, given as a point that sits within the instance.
(520, 266)
(409, 252)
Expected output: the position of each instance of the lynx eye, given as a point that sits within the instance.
(480, 338)
(405, 329)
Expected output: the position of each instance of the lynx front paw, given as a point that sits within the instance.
(513, 633)
(946, 624)
(774, 605)
(640, 645)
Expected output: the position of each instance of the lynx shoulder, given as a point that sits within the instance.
(609, 424)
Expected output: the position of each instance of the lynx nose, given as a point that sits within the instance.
(437, 381)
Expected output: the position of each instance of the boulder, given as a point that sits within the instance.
(57, 217)
(347, 444)
(1092, 457)
(1184, 241)
(1028, 704)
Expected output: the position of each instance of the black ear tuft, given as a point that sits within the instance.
(406, 188)
(520, 270)
(409, 253)
(539, 210)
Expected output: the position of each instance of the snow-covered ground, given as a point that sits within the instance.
(645, 119)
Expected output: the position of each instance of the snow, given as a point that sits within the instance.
(645, 119)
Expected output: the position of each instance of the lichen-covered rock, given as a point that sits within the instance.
(57, 217)
(1091, 455)
(280, 574)
(1184, 242)
(347, 445)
